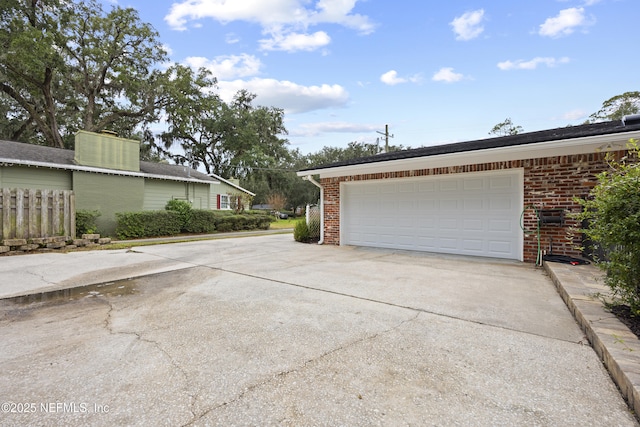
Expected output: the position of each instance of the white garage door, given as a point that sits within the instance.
(469, 214)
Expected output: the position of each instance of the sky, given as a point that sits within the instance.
(435, 72)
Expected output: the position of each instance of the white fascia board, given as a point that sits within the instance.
(584, 145)
(219, 178)
(5, 161)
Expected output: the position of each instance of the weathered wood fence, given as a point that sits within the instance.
(28, 214)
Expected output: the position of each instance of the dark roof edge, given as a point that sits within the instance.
(557, 134)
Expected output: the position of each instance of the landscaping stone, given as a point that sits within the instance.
(56, 245)
(14, 242)
(48, 244)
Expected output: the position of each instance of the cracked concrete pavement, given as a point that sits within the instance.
(266, 331)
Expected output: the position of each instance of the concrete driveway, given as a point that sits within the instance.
(266, 331)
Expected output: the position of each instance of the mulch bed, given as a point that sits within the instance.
(623, 313)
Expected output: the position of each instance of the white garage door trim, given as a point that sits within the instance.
(474, 213)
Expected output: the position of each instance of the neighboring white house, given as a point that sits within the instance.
(227, 189)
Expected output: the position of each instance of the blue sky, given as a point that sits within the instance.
(435, 72)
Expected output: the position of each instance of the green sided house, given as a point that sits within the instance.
(105, 174)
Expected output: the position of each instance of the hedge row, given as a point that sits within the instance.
(131, 225)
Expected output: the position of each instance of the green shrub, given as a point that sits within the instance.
(201, 221)
(301, 232)
(613, 215)
(229, 221)
(147, 224)
(184, 210)
(130, 225)
(86, 222)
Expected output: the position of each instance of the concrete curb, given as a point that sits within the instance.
(194, 237)
(614, 343)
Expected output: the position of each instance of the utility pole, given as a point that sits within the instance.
(386, 137)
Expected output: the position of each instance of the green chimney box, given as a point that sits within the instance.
(104, 150)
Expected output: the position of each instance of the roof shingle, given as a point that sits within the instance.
(557, 134)
(64, 159)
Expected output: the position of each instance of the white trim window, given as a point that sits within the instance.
(225, 202)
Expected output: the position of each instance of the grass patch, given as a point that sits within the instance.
(281, 224)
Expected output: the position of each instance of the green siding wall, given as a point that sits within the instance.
(107, 151)
(108, 194)
(35, 178)
(158, 192)
(199, 196)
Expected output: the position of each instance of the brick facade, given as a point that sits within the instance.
(549, 183)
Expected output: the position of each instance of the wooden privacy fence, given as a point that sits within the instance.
(28, 214)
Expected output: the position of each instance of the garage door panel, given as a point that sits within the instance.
(471, 225)
(448, 224)
(476, 245)
(467, 214)
(499, 247)
(502, 182)
(449, 185)
(497, 225)
(426, 187)
(450, 244)
(473, 205)
(449, 205)
(426, 207)
(501, 203)
(474, 184)
(407, 188)
(388, 189)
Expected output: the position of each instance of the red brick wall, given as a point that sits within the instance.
(549, 183)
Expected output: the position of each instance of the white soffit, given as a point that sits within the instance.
(584, 145)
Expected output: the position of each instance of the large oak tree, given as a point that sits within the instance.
(69, 65)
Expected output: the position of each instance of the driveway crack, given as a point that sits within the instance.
(108, 325)
(301, 367)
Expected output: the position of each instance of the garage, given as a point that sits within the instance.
(469, 214)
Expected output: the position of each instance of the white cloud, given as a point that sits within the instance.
(228, 66)
(574, 115)
(282, 18)
(291, 97)
(391, 78)
(231, 38)
(531, 64)
(315, 129)
(447, 75)
(469, 25)
(565, 23)
(295, 41)
(167, 49)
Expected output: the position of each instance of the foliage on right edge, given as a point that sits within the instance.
(613, 214)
